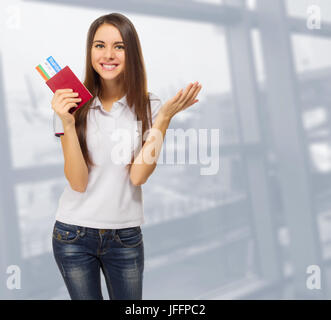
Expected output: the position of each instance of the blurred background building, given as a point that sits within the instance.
(250, 231)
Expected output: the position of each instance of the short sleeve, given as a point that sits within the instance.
(57, 125)
(156, 105)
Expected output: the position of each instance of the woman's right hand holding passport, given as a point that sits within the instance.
(63, 100)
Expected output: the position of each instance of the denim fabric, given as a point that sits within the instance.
(80, 253)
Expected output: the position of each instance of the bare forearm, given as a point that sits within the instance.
(140, 169)
(75, 168)
(145, 162)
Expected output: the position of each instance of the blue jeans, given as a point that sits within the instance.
(80, 252)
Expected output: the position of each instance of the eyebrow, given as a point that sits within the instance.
(104, 42)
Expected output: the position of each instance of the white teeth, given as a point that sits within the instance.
(107, 66)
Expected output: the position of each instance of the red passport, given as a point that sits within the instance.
(66, 79)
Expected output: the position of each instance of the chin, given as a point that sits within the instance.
(110, 75)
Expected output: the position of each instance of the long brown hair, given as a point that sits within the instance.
(134, 80)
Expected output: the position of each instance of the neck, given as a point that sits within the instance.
(112, 90)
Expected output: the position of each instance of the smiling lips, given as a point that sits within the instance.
(108, 67)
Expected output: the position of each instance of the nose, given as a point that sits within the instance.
(109, 53)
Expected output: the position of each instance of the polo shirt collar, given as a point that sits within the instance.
(117, 106)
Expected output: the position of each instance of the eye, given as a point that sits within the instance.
(118, 46)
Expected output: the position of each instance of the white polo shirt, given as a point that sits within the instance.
(110, 201)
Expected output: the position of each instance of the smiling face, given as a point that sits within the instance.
(107, 53)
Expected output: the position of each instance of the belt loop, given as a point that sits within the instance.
(113, 233)
(81, 231)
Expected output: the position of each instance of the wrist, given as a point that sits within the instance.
(163, 116)
(69, 127)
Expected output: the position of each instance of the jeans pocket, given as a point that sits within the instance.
(66, 233)
(129, 237)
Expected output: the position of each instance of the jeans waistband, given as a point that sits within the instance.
(94, 231)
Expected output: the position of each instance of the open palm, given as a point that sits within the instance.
(182, 100)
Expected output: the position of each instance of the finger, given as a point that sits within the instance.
(69, 100)
(59, 91)
(191, 93)
(185, 93)
(197, 90)
(178, 95)
(64, 96)
(193, 100)
(190, 104)
(70, 94)
(69, 106)
(193, 89)
(59, 97)
(64, 103)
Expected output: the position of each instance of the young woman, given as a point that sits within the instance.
(100, 212)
